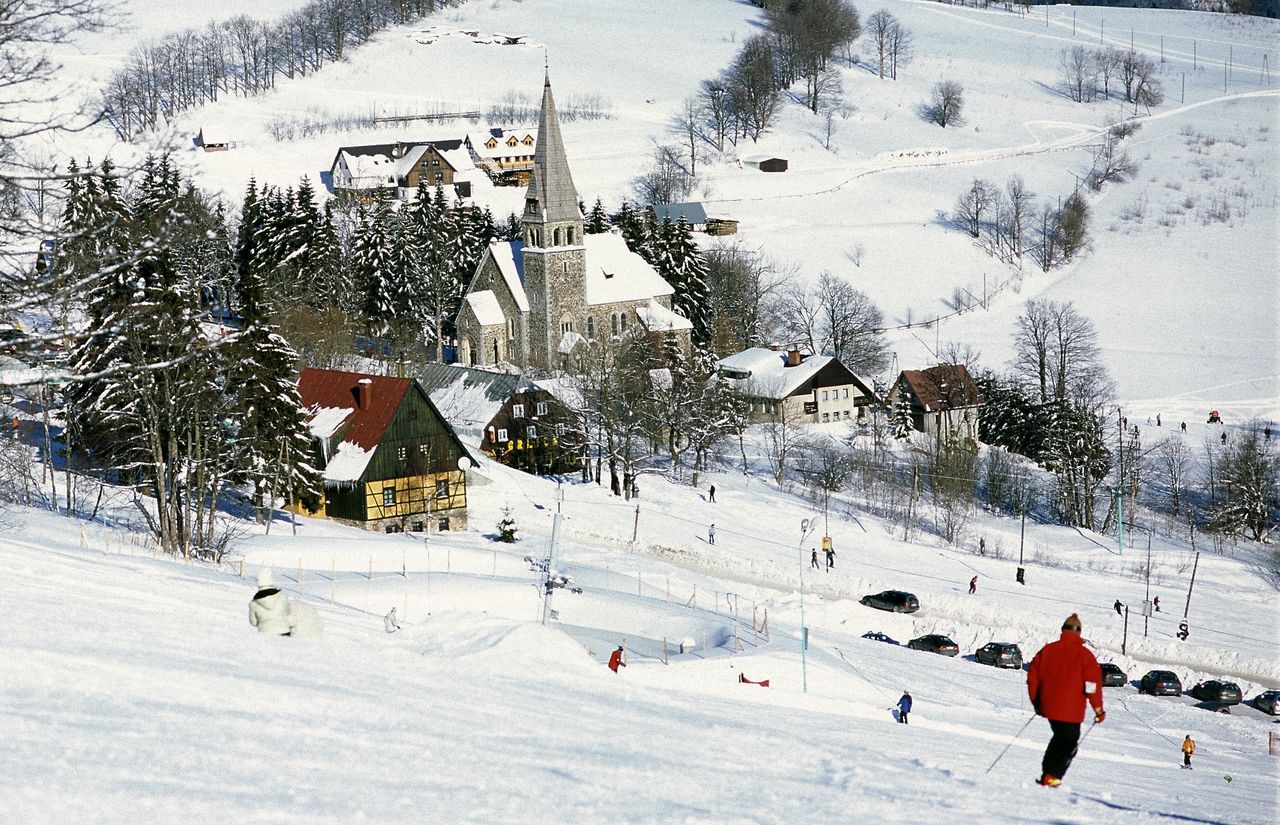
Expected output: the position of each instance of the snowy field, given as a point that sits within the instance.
(137, 691)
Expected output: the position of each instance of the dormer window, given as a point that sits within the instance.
(490, 143)
(511, 141)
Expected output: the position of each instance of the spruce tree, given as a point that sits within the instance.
(597, 220)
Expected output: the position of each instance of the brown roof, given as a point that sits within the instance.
(946, 382)
(334, 389)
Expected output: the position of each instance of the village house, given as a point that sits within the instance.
(797, 387)
(389, 460)
(512, 419)
(532, 301)
(394, 170)
(505, 155)
(691, 213)
(943, 400)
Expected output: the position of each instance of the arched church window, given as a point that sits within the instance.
(591, 328)
(557, 235)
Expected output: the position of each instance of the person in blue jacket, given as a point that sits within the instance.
(904, 707)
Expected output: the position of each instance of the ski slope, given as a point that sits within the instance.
(138, 692)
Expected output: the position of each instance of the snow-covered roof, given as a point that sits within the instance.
(568, 341)
(459, 158)
(502, 150)
(506, 254)
(467, 397)
(347, 463)
(615, 273)
(768, 375)
(657, 318)
(484, 304)
(325, 421)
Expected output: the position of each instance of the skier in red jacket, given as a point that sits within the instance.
(1061, 677)
(615, 660)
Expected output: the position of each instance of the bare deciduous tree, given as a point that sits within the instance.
(974, 204)
(946, 103)
(1079, 73)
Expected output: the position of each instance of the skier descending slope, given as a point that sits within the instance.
(1062, 675)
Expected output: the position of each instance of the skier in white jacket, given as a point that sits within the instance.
(270, 611)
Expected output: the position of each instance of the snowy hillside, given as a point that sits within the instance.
(138, 692)
(1198, 330)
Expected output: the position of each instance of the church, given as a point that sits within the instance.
(532, 301)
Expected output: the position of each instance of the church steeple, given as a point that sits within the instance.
(551, 197)
(554, 253)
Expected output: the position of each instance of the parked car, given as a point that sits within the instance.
(1224, 693)
(1113, 676)
(935, 643)
(877, 636)
(897, 601)
(1267, 701)
(1000, 654)
(1161, 683)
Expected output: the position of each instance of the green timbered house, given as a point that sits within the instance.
(389, 460)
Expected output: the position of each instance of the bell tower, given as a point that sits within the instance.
(554, 255)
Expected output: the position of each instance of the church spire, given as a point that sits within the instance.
(551, 196)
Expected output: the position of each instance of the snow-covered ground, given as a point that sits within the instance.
(136, 691)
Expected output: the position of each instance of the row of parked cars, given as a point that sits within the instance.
(1008, 654)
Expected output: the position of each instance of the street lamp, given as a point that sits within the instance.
(806, 527)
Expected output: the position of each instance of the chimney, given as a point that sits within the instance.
(364, 393)
(775, 347)
(793, 356)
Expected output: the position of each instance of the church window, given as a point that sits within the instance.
(566, 324)
(591, 328)
(564, 267)
(511, 328)
(570, 231)
(556, 235)
(613, 324)
(622, 321)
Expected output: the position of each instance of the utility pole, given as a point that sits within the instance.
(1194, 567)
(1120, 480)
(1124, 642)
(806, 526)
(546, 579)
(1146, 605)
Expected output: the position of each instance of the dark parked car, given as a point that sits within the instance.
(877, 636)
(897, 601)
(1161, 683)
(1224, 693)
(1267, 701)
(1000, 654)
(935, 643)
(1113, 676)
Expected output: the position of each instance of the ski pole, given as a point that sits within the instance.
(1010, 745)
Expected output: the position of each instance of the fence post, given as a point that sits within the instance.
(664, 651)
(404, 564)
(242, 568)
(766, 623)
(495, 563)
(371, 567)
(640, 584)
(302, 587)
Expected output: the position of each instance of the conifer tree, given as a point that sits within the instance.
(597, 220)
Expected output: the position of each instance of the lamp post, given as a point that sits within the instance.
(806, 527)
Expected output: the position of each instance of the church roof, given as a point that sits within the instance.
(551, 184)
(507, 255)
(484, 305)
(615, 273)
(657, 318)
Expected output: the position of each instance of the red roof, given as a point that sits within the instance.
(335, 389)
(949, 382)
